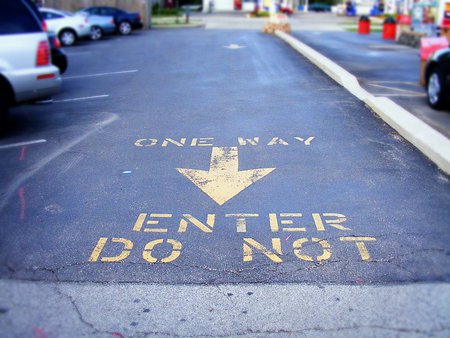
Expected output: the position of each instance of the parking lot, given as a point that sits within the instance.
(212, 182)
(126, 175)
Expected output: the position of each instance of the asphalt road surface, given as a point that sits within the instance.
(213, 157)
(383, 67)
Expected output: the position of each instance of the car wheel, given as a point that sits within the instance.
(124, 28)
(67, 37)
(96, 33)
(435, 89)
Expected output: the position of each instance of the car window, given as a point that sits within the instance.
(16, 18)
(94, 10)
(66, 13)
(108, 11)
(50, 15)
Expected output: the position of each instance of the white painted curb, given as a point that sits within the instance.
(429, 141)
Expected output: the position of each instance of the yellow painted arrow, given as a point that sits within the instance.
(223, 180)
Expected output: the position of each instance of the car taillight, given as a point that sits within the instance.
(44, 25)
(43, 54)
(112, 21)
(56, 43)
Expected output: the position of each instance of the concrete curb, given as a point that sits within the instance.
(430, 142)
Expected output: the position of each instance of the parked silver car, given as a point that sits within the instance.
(26, 71)
(67, 26)
(100, 25)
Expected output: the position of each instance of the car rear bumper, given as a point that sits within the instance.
(84, 31)
(108, 29)
(33, 84)
(137, 25)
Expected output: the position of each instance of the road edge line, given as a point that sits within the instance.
(429, 141)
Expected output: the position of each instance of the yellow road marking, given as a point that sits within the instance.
(359, 241)
(176, 251)
(248, 252)
(325, 246)
(223, 180)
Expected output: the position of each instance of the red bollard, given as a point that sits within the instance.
(389, 29)
(364, 25)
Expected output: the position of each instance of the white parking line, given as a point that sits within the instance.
(399, 82)
(396, 89)
(81, 98)
(13, 186)
(20, 144)
(401, 95)
(99, 74)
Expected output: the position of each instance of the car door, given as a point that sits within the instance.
(93, 10)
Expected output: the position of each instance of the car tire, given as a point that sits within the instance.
(124, 28)
(67, 37)
(436, 89)
(96, 33)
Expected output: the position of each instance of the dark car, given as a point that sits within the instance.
(59, 57)
(319, 7)
(125, 21)
(437, 76)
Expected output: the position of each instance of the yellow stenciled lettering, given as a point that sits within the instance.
(359, 241)
(146, 142)
(176, 251)
(297, 245)
(244, 142)
(188, 218)
(291, 222)
(204, 141)
(250, 243)
(127, 247)
(178, 144)
(335, 223)
(241, 222)
(277, 140)
(318, 222)
(274, 222)
(141, 220)
(307, 142)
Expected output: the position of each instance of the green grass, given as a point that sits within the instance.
(174, 22)
(166, 12)
(260, 14)
(347, 23)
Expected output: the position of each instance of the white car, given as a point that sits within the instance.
(26, 70)
(67, 26)
(100, 25)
